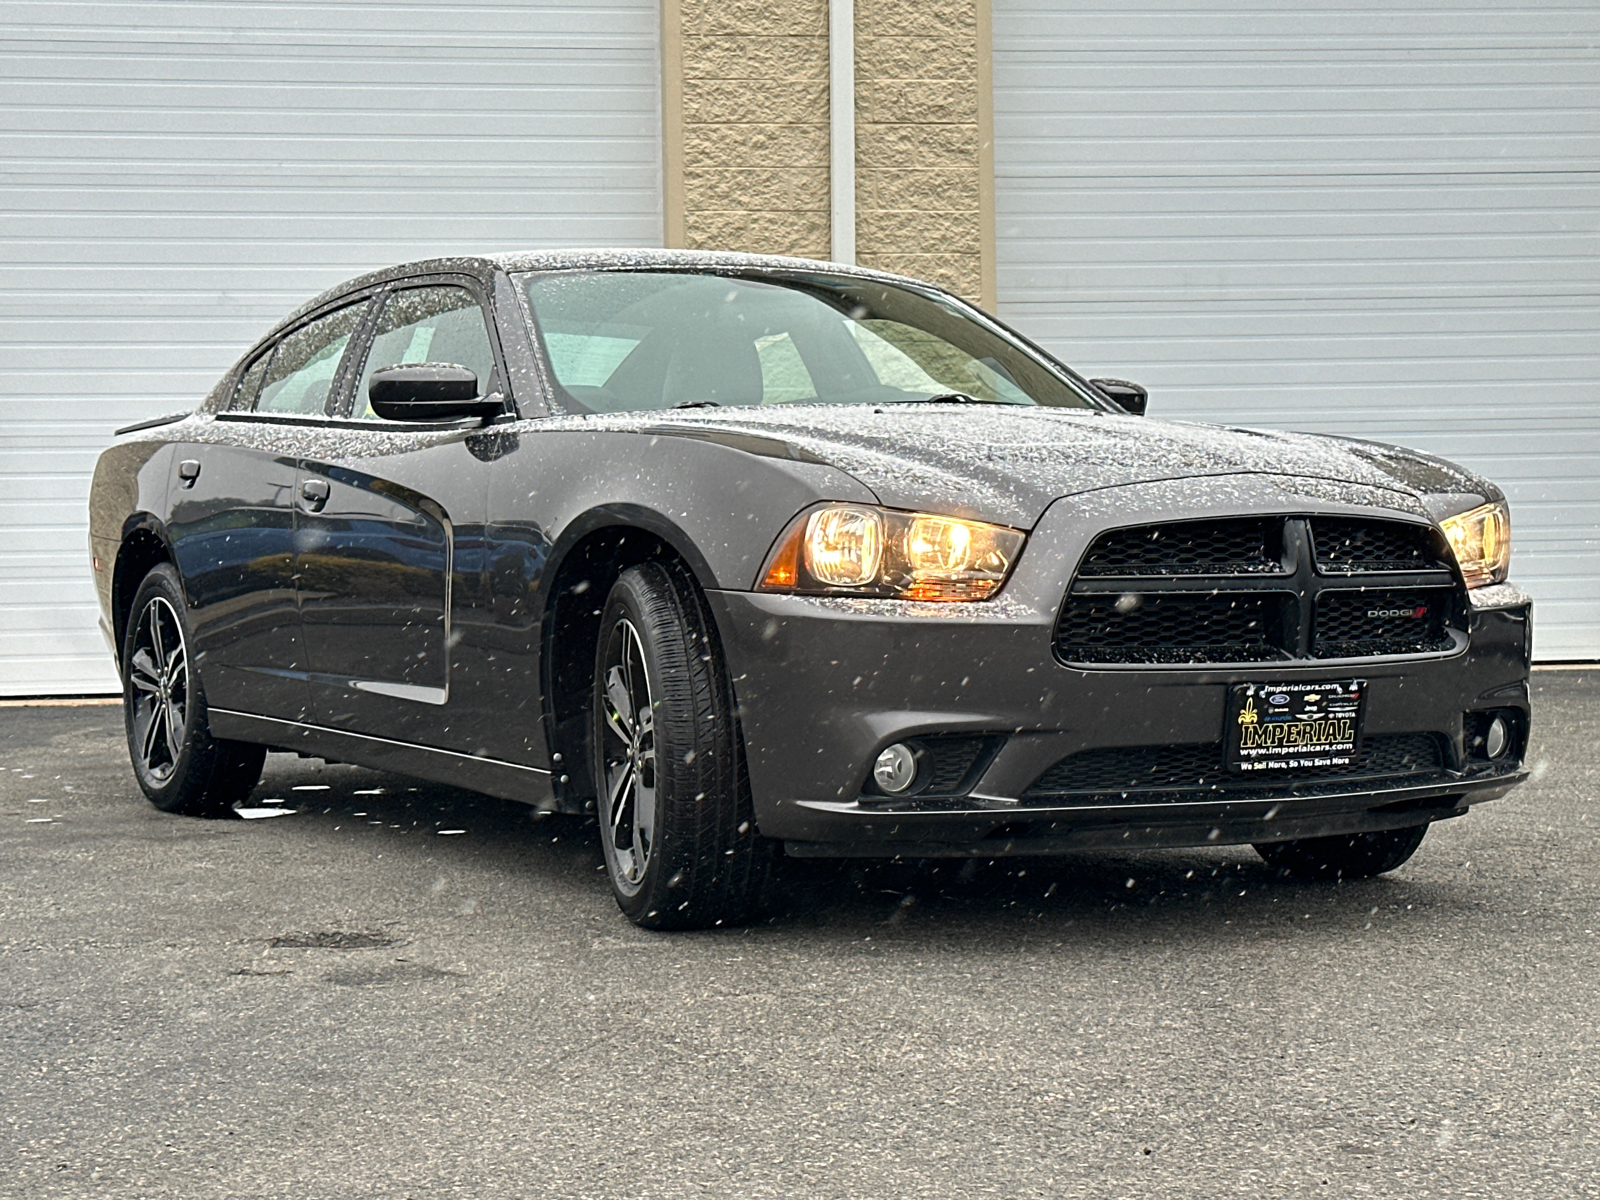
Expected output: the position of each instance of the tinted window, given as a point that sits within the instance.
(441, 324)
(629, 340)
(304, 364)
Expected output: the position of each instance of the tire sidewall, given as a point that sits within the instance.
(625, 603)
(182, 789)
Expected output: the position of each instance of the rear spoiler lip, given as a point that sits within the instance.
(153, 422)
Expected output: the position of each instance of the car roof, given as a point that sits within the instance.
(708, 261)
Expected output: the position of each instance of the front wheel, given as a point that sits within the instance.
(179, 765)
(676, 824)
(1347, 856)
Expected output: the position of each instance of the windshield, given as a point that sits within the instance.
(625, 341)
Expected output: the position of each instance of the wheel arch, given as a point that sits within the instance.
(144, 544)
(584, 565)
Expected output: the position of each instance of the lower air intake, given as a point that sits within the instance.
(1195, 772)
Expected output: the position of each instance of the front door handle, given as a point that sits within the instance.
(314, 493)
(189, 471)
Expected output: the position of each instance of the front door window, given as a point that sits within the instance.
(440, 324)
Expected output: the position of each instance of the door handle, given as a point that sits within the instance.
(189, 471)
(314, 492)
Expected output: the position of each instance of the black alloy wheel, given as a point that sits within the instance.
(673, 804)
(179, 765)
(1345, 856)
(158, 671)
(627, 757)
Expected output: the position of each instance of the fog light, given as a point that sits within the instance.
(1496, 738)
(896, 769)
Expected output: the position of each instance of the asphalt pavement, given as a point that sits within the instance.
(402, 990)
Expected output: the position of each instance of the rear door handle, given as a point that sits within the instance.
(189, 471)
(314, 493)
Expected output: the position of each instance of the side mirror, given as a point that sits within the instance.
(1129, 396)
(429, 392)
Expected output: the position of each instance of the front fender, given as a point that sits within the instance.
(719, 506)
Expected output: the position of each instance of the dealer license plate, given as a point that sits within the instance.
(1294, 726)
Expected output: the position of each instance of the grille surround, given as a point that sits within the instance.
(1141, 598)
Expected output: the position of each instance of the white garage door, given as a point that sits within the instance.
(175, 177)
(1375, 219)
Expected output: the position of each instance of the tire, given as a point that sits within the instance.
(178, 764)
(1348, 856)
(673, 799)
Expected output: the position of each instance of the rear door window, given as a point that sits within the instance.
(305, 364)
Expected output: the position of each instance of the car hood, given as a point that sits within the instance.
(1008, 463)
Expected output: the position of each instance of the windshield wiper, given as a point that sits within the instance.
(698, 404)
(951, 398)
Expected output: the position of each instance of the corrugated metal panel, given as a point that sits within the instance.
(1377, 219)
(175, 177)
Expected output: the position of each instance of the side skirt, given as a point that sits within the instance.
(492, 777)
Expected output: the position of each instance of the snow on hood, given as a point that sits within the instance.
(1007, 463)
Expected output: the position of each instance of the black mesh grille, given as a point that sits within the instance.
(1173, 627)
(1188, 548)
(1353, 624)
(1235, 611)
(1181, 771)
(949, 761)
(1346, 547)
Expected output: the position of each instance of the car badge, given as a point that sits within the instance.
(1380, 614)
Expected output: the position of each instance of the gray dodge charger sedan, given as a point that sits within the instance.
(759, 557)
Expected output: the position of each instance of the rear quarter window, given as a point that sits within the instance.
(249, 387)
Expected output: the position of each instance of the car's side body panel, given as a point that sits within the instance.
(389, 551)
(232, 528)
(721, 504)
(509, 781)
(128, 493)
(555, 484)
(548, 488)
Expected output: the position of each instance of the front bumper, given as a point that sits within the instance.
(825, 683)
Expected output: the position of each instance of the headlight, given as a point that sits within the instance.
(861, 550)
(843, 547)
(1481, 541)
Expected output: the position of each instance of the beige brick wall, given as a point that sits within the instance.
(746, 98)
(754, 131)
(919, 179)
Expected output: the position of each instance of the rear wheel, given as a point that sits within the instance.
(178, 764)
(676, 824)
(1347, 856)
